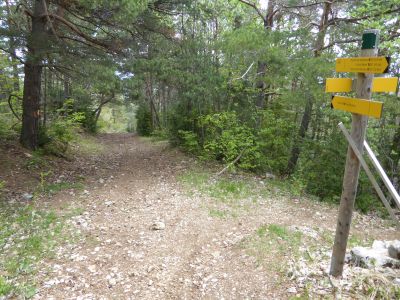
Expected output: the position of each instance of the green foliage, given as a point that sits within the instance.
(322, 170)
(189, 141)
(5, 131)
(272, 142)
(2, 185)
(217, 213)
(227, 138)
(5, 287)
(53, 188)
(27, 235)
(56, 137)
(273, 241)
(36, 161)
(144, 122)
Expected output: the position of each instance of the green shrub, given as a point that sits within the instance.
(56, 137)
(5, 129)
(272, 143)
(144, 122)
(189, 141)
(323, 167)
(227, 138)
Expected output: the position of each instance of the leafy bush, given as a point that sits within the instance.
(323, 167)
(56, 137)
(5, 129)
(226, 139)
(189, 141)
(272, 143)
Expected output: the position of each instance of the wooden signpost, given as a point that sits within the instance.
(366, 65)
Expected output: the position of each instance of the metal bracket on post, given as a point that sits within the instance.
(369, 173)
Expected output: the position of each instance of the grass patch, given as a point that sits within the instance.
(53, 188)
(271, 244)
(218, 213)
(88, 145)
(27, 236)
(221, 189)
(36, 161)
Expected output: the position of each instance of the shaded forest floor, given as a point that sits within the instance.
(140, 220)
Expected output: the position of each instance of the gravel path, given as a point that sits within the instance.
(124, 251)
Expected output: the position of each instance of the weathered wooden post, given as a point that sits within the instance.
(369, 48)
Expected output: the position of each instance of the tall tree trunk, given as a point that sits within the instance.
(32, 81)
(306, 118)
(12, 46)
(45, 97)
(296, 150)
(262, 98)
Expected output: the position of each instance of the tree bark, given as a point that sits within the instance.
(32, 81)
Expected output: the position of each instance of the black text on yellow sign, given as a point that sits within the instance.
(370, 65)
(358, 106)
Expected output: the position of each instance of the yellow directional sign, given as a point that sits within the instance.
(338, 85)
(358, 106)
(385, 84)
(345, 85)
(363, 64)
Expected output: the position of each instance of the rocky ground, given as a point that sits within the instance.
(148, 230)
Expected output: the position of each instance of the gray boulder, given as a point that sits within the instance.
(381, 254)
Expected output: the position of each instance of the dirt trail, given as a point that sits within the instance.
(119, 255)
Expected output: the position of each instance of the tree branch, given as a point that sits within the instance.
(11, 107)
(340, 42)
(254, 6)
(83, 35)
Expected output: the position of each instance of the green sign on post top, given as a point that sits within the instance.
(370, 39)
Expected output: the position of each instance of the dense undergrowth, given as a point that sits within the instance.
(226, 138)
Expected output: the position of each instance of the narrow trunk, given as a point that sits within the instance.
(296, 150)
(262, 98)
(45, 98)
(12, 46)
(306, 118)
(32, 81)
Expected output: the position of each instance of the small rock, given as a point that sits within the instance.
(101, 180)
(27, 196)
(92, 268)
(112, 281)
(270, 176)
(158, 225)
(292, 290)
(394, 249)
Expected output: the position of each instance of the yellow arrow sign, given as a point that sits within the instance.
(345, 85)
(363, 64)
(382, 84)
(358, 106)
